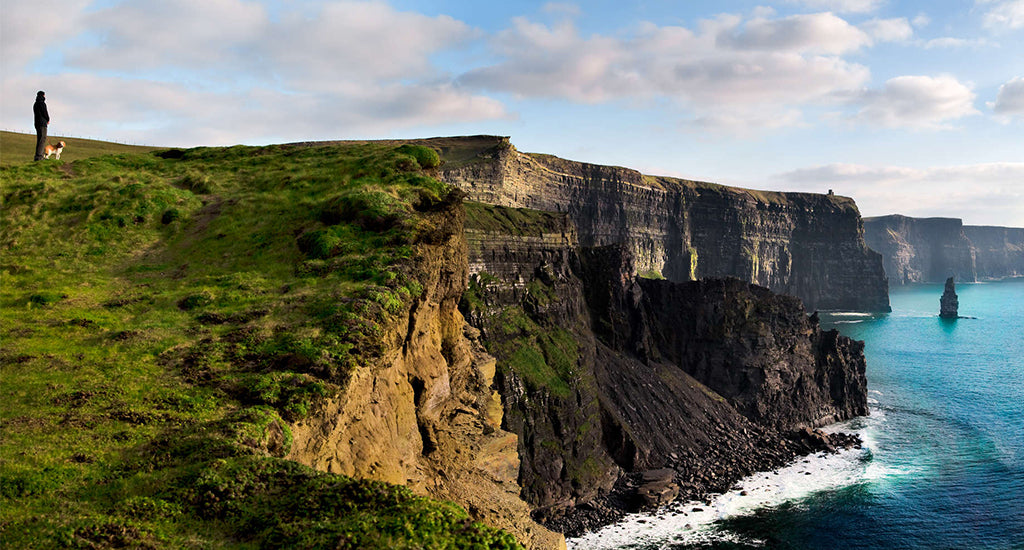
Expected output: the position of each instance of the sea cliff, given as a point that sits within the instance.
(806, 245)
(928, 250)
(605, 375)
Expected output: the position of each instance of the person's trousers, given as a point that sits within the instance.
(40, 142)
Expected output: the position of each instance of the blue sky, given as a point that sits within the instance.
(910, 107)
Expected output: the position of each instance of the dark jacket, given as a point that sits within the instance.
(42, 117)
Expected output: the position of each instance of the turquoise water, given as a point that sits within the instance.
(943, 463)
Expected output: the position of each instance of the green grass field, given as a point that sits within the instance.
(164, 316)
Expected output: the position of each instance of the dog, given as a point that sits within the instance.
(54, 150)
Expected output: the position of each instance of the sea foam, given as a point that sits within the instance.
(694, 522)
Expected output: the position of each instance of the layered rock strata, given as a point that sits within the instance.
(807, 245)
(426, 415)
(928, 250)
(605, 375)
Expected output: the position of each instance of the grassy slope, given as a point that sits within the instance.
(162, 319)
(16, 148)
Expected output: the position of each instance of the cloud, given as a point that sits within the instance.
(340, 42)
(888, 30)
(1004, 14)
(917, 102)
(728, 74)
(950, 42)
(814, 33)
(159, 113)
(347, 68)
(981, 194)
(1010, 99)
(26, 32)
(134, 36)
(842, 6)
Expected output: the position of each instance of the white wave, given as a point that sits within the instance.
(694, 522)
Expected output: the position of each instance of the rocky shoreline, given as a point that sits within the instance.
(692, 477)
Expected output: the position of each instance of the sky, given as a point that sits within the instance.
(909, 107)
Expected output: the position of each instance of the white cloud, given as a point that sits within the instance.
(888, 30)
(814, 33)
(981, 194)
(340, 42)
(950, 42)
(730, 75)
(917, 102)
(921, 20)
(1004, 14)
(842, 6)
(1010, 99)
(224, 71)
(160, 113)
(26, 31)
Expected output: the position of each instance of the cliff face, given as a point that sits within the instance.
(998, 251)
(810, 246)
(603, 373)
(917, 250)
(426, 415)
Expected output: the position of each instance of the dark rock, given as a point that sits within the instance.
(704, 376)
(948, 303)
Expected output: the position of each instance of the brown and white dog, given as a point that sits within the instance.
(54, 150)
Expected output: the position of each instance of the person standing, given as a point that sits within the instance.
(42, 121)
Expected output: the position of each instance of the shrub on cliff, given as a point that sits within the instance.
(426, 157)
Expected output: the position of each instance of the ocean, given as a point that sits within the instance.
(942, 465)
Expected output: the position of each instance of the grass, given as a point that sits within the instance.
(17, 148)
(513, 221)
(166, 315)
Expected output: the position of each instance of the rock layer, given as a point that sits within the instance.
(807, 245)
(928, 250)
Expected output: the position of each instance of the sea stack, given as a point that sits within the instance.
(948, 304)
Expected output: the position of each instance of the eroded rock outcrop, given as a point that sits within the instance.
(927, 250)
(948, 303)
(426, 415)
(807, 245)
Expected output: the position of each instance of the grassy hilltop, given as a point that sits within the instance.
(165, 314)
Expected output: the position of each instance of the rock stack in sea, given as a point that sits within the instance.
(948, 304)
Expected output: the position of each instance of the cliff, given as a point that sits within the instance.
(605, 375)
(806, 245)
(186, 333)
(998, 251)
(425, 415)
(918, 250)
